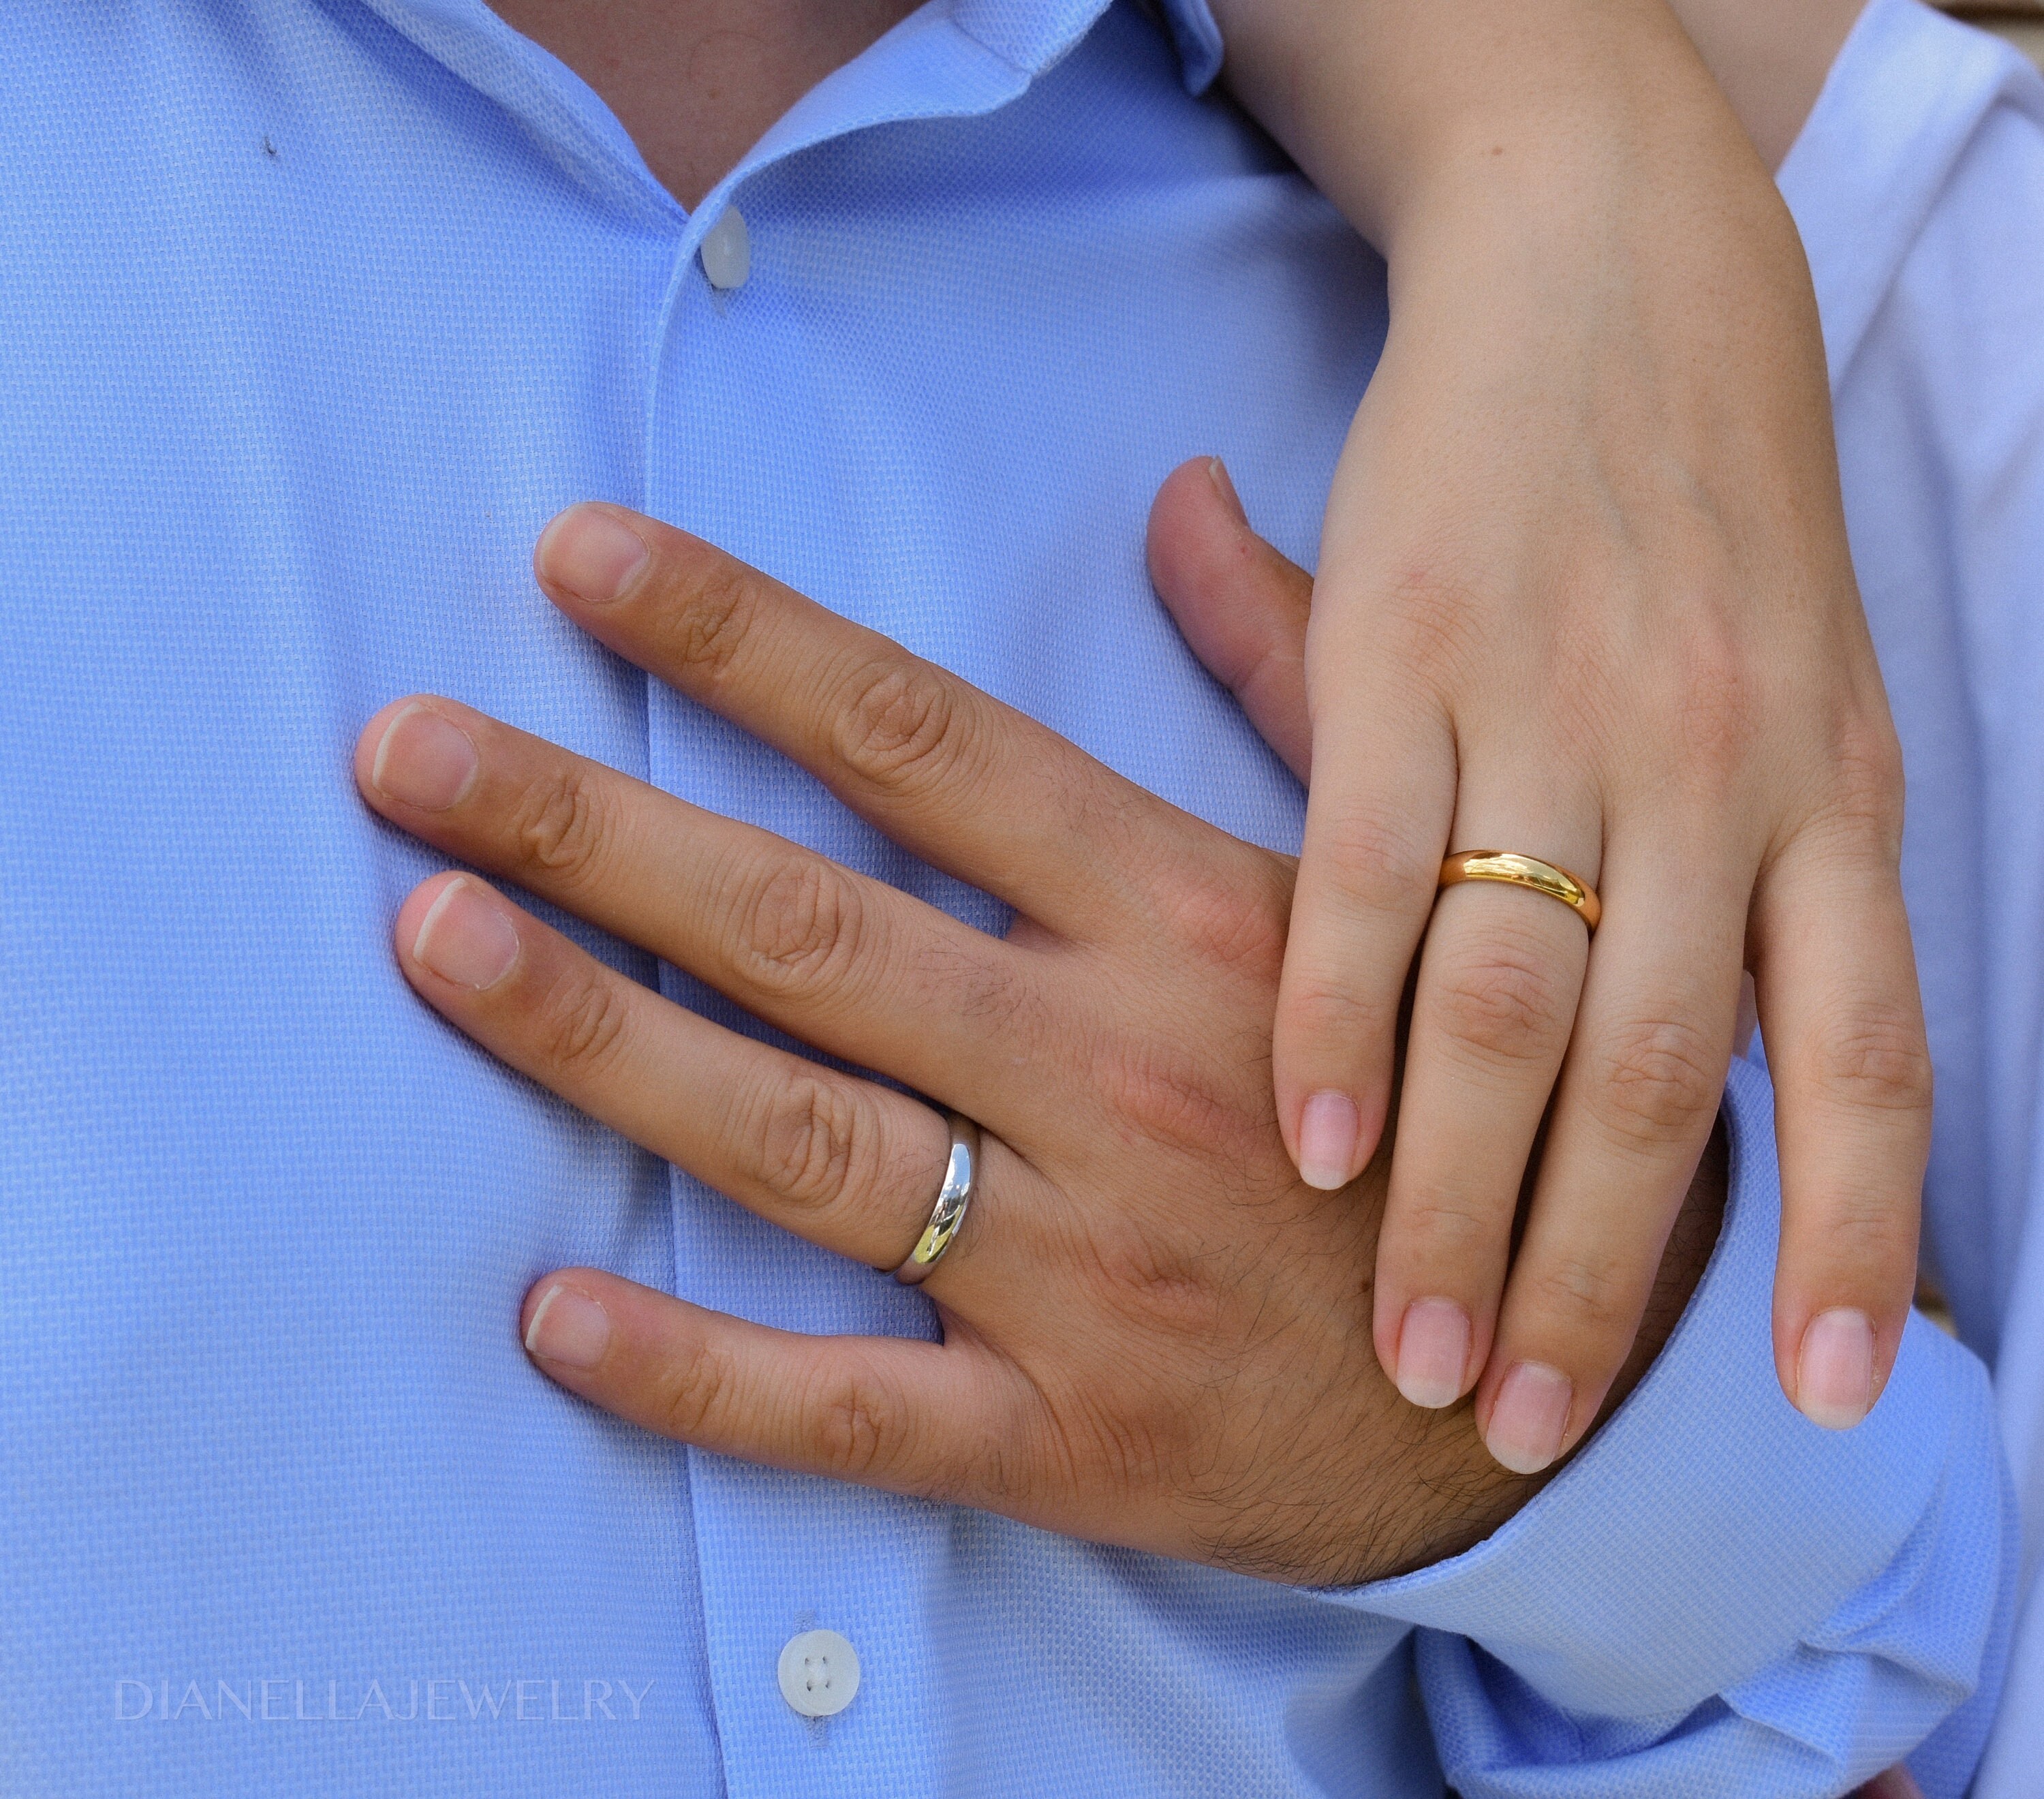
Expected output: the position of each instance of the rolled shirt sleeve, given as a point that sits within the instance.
(1716, 1596)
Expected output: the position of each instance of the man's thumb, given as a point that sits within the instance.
(1241, 605)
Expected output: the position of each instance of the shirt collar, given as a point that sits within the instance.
(949, 59)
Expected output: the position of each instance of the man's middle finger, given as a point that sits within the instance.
(854, 966)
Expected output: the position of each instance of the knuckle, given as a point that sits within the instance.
(815, 1142)
(1873, 1234)
(1586, 1295)
(1434, 622)
(1234, 918)
(855, 1419)
(1447, 1228)
(1852, 809)
(1875, 1057)
(582, 1022)
(1867, 780)
(1161, 1095)
(717, 605)
(994, 1473)
(900, 727)
(801, 926)
(1374, 863)
(1127, 1434)
(700, 1392)
(562, 827)
(1171, 1292)
(693, 1383)
(1503, 999)
(1319, 1012)
(1655, 1081)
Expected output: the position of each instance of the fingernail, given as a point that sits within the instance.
(1531, 1414)
(568, 1327)
(591, 553)
(1433, 1350)
(463, 938)
(1217, 474)
(424, 760)
(1327, 1129)
(1834, 1373)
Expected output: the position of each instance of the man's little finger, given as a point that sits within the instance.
(884, 1412)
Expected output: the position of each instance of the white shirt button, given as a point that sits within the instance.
(819, 1674)
(727, 251)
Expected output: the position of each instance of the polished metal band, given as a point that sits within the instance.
(961, 1170)
(1524, 871)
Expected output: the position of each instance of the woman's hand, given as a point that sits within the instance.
(1155, 1334)
(1584, 593)
(1794, 822)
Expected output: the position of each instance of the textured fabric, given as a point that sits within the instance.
(1745, 1697)
(312, 313)
(1919, 186)
(1199, 41)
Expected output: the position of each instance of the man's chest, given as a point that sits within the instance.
(301, 350)
(340, 336)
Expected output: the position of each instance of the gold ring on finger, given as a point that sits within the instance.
(1524, 871)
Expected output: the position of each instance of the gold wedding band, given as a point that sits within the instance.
(1524, 871)
(961, 1172)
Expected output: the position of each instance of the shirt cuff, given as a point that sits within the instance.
(1198, 40)
(1707, 1525)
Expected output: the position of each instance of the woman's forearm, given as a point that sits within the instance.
(1369, 97)
(1398, 108)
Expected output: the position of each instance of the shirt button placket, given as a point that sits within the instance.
(731, 421)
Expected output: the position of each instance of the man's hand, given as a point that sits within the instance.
(1155, 1334)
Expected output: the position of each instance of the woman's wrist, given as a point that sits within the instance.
(1401, 109)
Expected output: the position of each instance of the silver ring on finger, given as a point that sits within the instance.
(961, 1171)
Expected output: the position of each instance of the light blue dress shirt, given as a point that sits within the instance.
(312, 313)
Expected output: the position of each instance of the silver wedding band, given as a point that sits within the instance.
(961, 1170)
